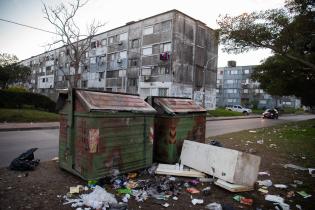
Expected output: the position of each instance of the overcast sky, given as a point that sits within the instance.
(26, 42)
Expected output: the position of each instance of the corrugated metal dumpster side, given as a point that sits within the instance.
(102, 140)
(178, 119)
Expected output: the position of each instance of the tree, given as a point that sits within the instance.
(11, 72)
(62, 17)
(290, 34)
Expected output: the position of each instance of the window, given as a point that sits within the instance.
(48, 68)
(101, 75)
(43, 80)
(147, 51)
(162, 91)
(263, 102)
(230, 81)
(123, 37)
(93, 60)
(148, 30)
(133, 62)
(93, 45)
(166, 25)
(104, 42)
(287, 103)
(261, 91)
(221, 72)
(245, 90)
(132, 82)
(111, 40)
(84, 83)
(102, 59)
(246, 71)
(256, 90)
(146, 71)
(231, 90)
(135, 43)
(122, 73)
(234, 72)
(112, 57)
(231, 100)
(166, 47)
(123, 54)
(62, 53)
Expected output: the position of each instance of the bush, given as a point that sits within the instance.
(16, 89)
(9, 99)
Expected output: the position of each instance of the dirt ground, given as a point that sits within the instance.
(44, 187)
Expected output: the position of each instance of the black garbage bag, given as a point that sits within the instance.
(25, 161)
(216, 143)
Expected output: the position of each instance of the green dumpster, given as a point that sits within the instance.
(102, 133)
(176, 120)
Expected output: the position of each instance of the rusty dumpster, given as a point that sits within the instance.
(102, 133)
(176, 120)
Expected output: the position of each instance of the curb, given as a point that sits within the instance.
(231, 118)
(28, 128)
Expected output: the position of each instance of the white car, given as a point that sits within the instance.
(238, 108)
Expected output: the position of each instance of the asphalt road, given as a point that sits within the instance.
(13, 143)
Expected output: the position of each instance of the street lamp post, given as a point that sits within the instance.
(204, 81)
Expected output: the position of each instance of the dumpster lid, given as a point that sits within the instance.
(104, 101)
(173, 105)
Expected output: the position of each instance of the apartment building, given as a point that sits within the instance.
(234, 87)
(162, 55)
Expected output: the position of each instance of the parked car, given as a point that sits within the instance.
(238, 108)
(270, 114)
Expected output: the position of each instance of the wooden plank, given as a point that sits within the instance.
(175, 170)
(233, 187)
(230, 165)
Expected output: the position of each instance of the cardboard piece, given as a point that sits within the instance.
(229, 165)
(176, 170)
(232, 187)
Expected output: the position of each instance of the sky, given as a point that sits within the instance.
(25, 42)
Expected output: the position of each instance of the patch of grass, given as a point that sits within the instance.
(221, 112)
(27, 115)
(258, 111)
(290, 143)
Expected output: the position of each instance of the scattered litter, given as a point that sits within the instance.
(196, 201)
(260, 141)
(55, 158)
(124, 191)
(243, 200)
(92, 183)
(175, 198)
(298, 182)
(76, 189)
(132, 175)
(281, 186)
(304, 194)
(252, 131)
(263, 173)
(194, 182)
(274, 198)
(177, 170)
(206, 179)
(192, 190)
(166, 205)
(311, 171)
(298, 206)
(216, 143)
(172, 178)
(295, 167)
(263, 191)
(290, 194)
(272, 145)
(214, 206)
(266, 183)
(206, 191)
(126, 198)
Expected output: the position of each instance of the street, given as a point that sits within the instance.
(13, 143)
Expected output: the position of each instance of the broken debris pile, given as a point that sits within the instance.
(25, 161)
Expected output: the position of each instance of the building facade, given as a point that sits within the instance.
(234, 87)
(163, 55)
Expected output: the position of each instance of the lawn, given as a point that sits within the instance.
(220, 112)
(292, 142)
(27, 115)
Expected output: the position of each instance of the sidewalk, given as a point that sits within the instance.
(28, 126)
(234, 117)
